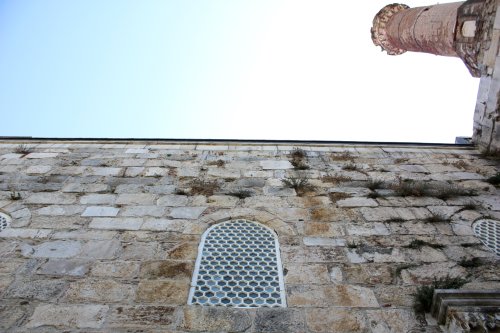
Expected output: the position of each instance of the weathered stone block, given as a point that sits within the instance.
(357, 202)
(336, 320)
(306, 274)
(215, 319)
(323, 229)
(51, 198)
(166, 269)
(172, 200)
(336, 295)
(140, 316)
(55, 249)
(275, 164)
(187, 212)
(98, 199)
(278, 320)
(323, 241)
(100, 211)
(102, 291)
(118, 269)
(129, 223)
(184, 251)
(72, 267)
(136, 199)
(169, 292)
(101, 249)
(68, 316)
(43, 290)
(392, 320)
(142, 211)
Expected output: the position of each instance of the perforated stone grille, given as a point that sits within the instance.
(239, 266)
(488, 231)
(4, 221)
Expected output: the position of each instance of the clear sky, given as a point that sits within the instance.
(220, 69)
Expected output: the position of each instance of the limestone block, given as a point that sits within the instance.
(395, 295)
(136, 199)
(368, 274)
(357, 202)
(140, 316)
(187, 212)
(54, 249)
(100, 249)
(215, 319)
(184, 251)
(127, 223)
(71, 267)
(84, 234)
(166, 269)
(222, 201)
(336, 274)
(10, 156)
(306, 274)
(137, 151)
(278, 320)
(38, 169)
(326, 320)
(275, 164)
(103, 171)
(426, 254)
(264, 201)
(43, 290)
(41, 155)
(98, 199)
(323, 241)
(10, 266)
(168, 292)
(462, 228)
(117, 269)
(132, 171)
(11, 314)
(367, 229)
(324, 254)
(330, 295)
(25, 233)
(51, 198)
(102, 291)
(60, 210)
(100, 211)
(84, 188)
(139, 251)
(156, 172)
(140, 211)
(68, 316)
(427, 273)
(173, 200)
(392, 320)
(164, 225)
(252, 174)
(323, 229)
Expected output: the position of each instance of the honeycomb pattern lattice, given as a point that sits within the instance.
(4, 221)
(488, 231)
(238, 265)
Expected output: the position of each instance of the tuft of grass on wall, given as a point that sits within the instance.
(301, 185)
(424, 294)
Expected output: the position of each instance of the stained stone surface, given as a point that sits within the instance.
(105, 237)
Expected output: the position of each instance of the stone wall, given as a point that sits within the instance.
(104, 235)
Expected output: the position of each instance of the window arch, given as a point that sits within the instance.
(238, 265)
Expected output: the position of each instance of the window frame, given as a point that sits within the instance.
(279, 266)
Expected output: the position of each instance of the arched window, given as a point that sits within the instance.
(238, 265)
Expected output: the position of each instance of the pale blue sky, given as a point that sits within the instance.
(253, 69)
